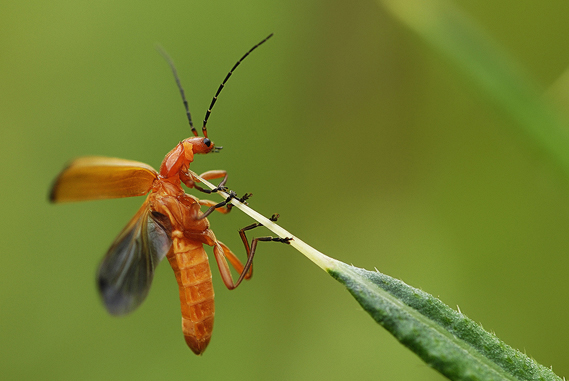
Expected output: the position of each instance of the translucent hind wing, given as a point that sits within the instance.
(126, 272)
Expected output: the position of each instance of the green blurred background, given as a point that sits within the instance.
(371, 145)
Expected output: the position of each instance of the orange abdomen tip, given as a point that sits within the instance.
(197, 335)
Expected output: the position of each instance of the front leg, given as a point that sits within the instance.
(190, 180)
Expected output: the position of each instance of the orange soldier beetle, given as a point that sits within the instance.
(169, 223)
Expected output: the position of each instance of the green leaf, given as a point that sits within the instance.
(445, 339)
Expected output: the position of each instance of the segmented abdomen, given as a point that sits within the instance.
(190, 264)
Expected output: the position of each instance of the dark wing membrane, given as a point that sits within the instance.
(96, 177)
(126, 273)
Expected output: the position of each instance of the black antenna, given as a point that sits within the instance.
(175, 72)
(204, 130)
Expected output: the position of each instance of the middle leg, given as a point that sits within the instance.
(224, 206)
(190, 181)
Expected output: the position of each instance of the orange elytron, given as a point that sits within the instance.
(169, 223)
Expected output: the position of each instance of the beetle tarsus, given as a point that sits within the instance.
(274, 239)
(245, 197)
(220, 188)
(242, 200)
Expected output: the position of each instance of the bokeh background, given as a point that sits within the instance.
(372, 146)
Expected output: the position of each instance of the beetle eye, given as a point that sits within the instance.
(207, 142)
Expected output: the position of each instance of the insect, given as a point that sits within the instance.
(169, 224)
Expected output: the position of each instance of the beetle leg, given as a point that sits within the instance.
(190, 181)
(209, 204)
(224, 208)
(251, 249)
(222, 204)
(242, 200)
(223, 254)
